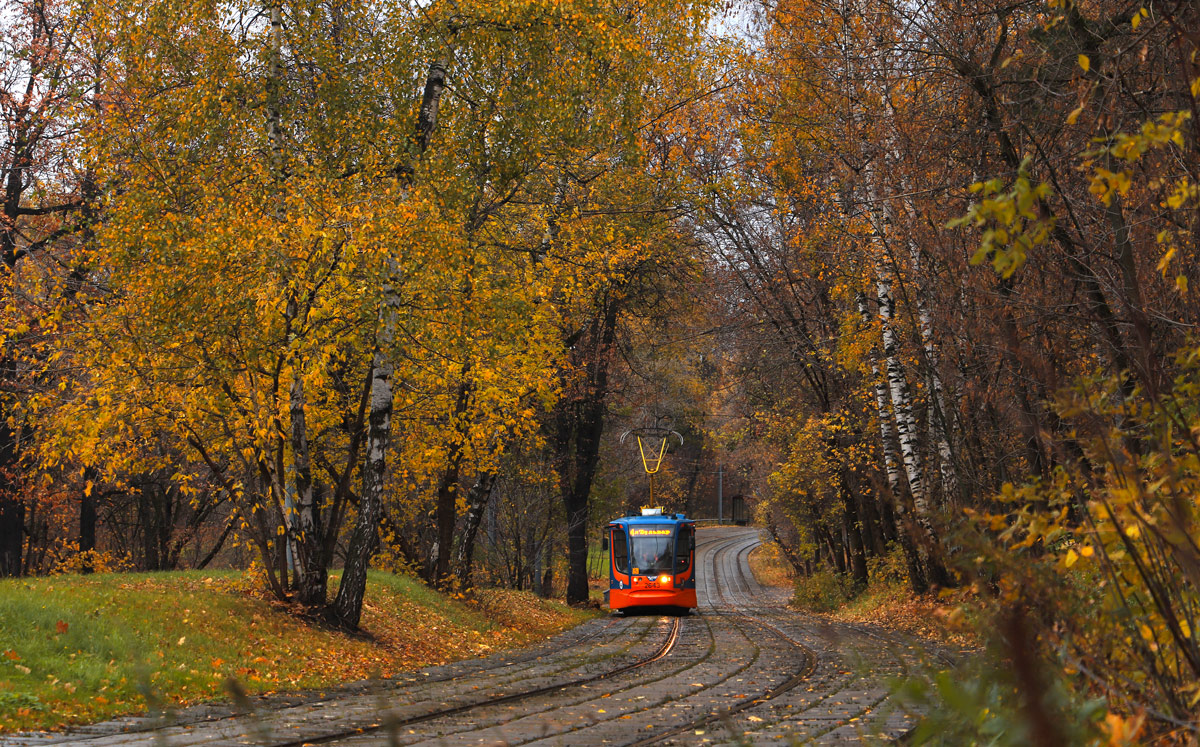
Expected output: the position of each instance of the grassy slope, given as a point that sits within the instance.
(83, 648)
(769, 566)
(887, 602)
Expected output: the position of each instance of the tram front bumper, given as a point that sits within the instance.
(619, 599)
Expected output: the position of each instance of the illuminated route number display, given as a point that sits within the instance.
(651, 549)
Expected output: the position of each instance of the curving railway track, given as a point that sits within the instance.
(742, 670)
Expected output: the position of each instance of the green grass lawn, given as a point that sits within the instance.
(82, 648)
(597, 562)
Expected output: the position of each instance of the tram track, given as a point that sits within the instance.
(789, 684)
(743, 670)
(663, 651)
(836, 708)
(487, 732)
(732, 603)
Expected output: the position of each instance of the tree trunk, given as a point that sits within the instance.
(477, 503)
(548, 569)
(938, 420)
(881, 216)
(938, 424)
(347, 607)
(12, 510)
(577, 445)
(577, 521)
(447, 493)
(868, 513)
(148, 521)
(836, 552)
(216, 548)
(800, 566)
(446, 518)
(853, 529)
(1149, 361)
(312, 575)
(916, 570)
(87, 527)
(927, 542)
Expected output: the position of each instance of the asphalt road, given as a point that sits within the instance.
(741, 670)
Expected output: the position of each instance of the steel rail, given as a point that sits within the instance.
(790, 684)
(389, 725)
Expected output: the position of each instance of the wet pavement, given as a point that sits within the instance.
(740, 670)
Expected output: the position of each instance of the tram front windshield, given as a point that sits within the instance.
(652, 548)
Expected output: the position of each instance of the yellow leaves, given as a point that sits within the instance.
(1073, 117)
(1011, 221)
(1168, 255)
(1105, 183)
(1122, 730)
(1084, 62)
(1167, 129)
(1183, 194)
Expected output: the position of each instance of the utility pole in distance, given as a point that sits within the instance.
(720, 493)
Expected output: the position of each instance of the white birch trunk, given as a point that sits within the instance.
(274, 116)
(928, 546)
(886, 435)
(348, 606)
(906, 423)
(305, 527)
(881, 216)
(938, 424)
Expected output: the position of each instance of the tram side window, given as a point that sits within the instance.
(620, 551)
(683, 548)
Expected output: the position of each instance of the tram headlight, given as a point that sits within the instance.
(664, 579)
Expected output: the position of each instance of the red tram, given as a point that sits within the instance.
(651, 561)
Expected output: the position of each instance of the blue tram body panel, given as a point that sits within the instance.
(651, 561)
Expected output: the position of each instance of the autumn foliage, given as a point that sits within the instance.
(307, 285)
(965, 235)
(332, 263)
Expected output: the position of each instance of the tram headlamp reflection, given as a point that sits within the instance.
(664, 579)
